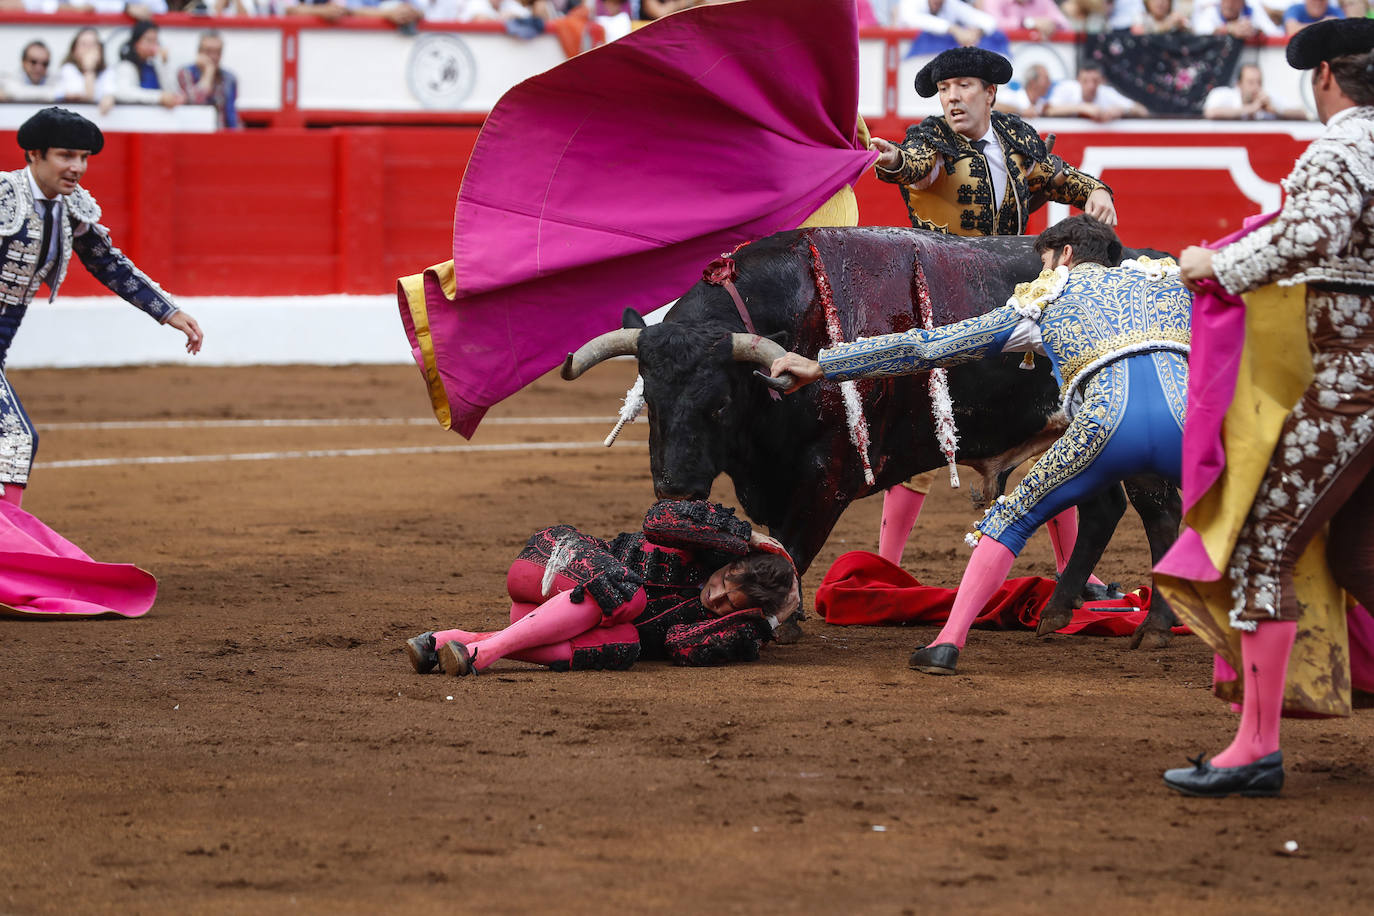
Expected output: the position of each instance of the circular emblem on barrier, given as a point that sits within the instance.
(441, 70)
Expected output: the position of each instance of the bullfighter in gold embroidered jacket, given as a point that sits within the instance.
(974, 171)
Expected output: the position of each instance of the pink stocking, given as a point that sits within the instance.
(1063, 532)
(556, 620)
(987, 570)
(14, 494)
(901, 508)
(1264, 656)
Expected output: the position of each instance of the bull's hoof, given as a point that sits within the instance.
(1052, 621)
(788, 632)
(1150, 639)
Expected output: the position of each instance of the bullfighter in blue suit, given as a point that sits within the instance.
(45, 217)
(1118, 338)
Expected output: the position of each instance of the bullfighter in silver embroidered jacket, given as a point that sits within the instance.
(1322, 470)
(45, 218)
(1118, 338)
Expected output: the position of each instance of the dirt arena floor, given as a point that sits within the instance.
(258, 743)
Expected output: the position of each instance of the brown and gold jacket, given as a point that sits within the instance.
(960, 201)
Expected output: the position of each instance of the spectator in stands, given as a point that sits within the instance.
(1302, 14)
(1356, 9)
(476, 10)
(1157, 17)
(401, 13)
(328, 10)
(1247, 101)
(1089, 96)
(1041, 16)
(84, 76)
(1089, 15)
(31, 84)
(205, 82)
(1235, 18)
(963, 23)
(876, 13)
(657, 9)
(141, 77)
(1030, 98)
(143, 10)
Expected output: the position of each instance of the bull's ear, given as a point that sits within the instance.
(632, 319)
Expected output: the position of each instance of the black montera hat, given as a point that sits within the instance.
(58, 128)
(985, 65)
(1328, 40)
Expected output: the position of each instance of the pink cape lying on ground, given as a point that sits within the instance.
(42, 572)
(611, 180)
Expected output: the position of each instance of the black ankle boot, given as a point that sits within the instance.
(1262, 778)
(424, 656)
(937, 659)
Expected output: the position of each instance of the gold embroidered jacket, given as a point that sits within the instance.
(960, 201)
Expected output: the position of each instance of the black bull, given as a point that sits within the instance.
(793, 461)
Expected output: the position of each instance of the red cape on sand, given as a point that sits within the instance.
(863, 589)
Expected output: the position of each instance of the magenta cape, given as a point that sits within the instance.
(611, 180)
(1218, 338)
(42, 572)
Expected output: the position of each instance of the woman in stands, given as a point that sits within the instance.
(84, 76)
(141, 77)
(695, 585)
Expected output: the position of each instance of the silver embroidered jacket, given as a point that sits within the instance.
(1083, 321)
(1325, 231)
(80, 233)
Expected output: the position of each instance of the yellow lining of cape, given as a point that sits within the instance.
(413, 287)
(1275, 370)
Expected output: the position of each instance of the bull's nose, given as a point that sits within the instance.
(674, 493)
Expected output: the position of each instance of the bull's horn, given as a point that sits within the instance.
(624, 342)
(751, 348)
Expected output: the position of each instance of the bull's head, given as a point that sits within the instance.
(696, 395)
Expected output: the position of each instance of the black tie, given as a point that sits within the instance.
(47, 232)
(980, 145)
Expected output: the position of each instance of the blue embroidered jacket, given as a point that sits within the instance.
(1093, 317)
(21, 233)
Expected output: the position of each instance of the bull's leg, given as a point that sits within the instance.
(1097, 520)
(1161, 511)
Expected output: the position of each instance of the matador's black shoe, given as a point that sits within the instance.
(457, 659)
(1264, 777)
(937, 659)
(423, 654)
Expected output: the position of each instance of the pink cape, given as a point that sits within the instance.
(1218, 337)
(611, 180)
(42, 572)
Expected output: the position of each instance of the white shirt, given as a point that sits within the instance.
(916, 14)
(1207, 19)
(997, 167)
(56, 217)
(1070, 92)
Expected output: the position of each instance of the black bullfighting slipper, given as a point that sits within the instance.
(937, 659)
(423, 656)
(457, 659)
(1264, 777)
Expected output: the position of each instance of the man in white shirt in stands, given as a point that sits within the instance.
(963, 22)
(1236, 18)
(1089, 96)
(1247, 101)
(1030, 98)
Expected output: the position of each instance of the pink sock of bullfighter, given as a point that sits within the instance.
(987, 570)
(901, 508)
(556, 620)
(1264, 656)
(1063, 532)
(14, 494)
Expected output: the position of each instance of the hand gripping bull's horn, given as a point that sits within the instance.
(624, 342)
(751, 348)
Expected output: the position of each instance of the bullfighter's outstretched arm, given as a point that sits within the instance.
(920, 350)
